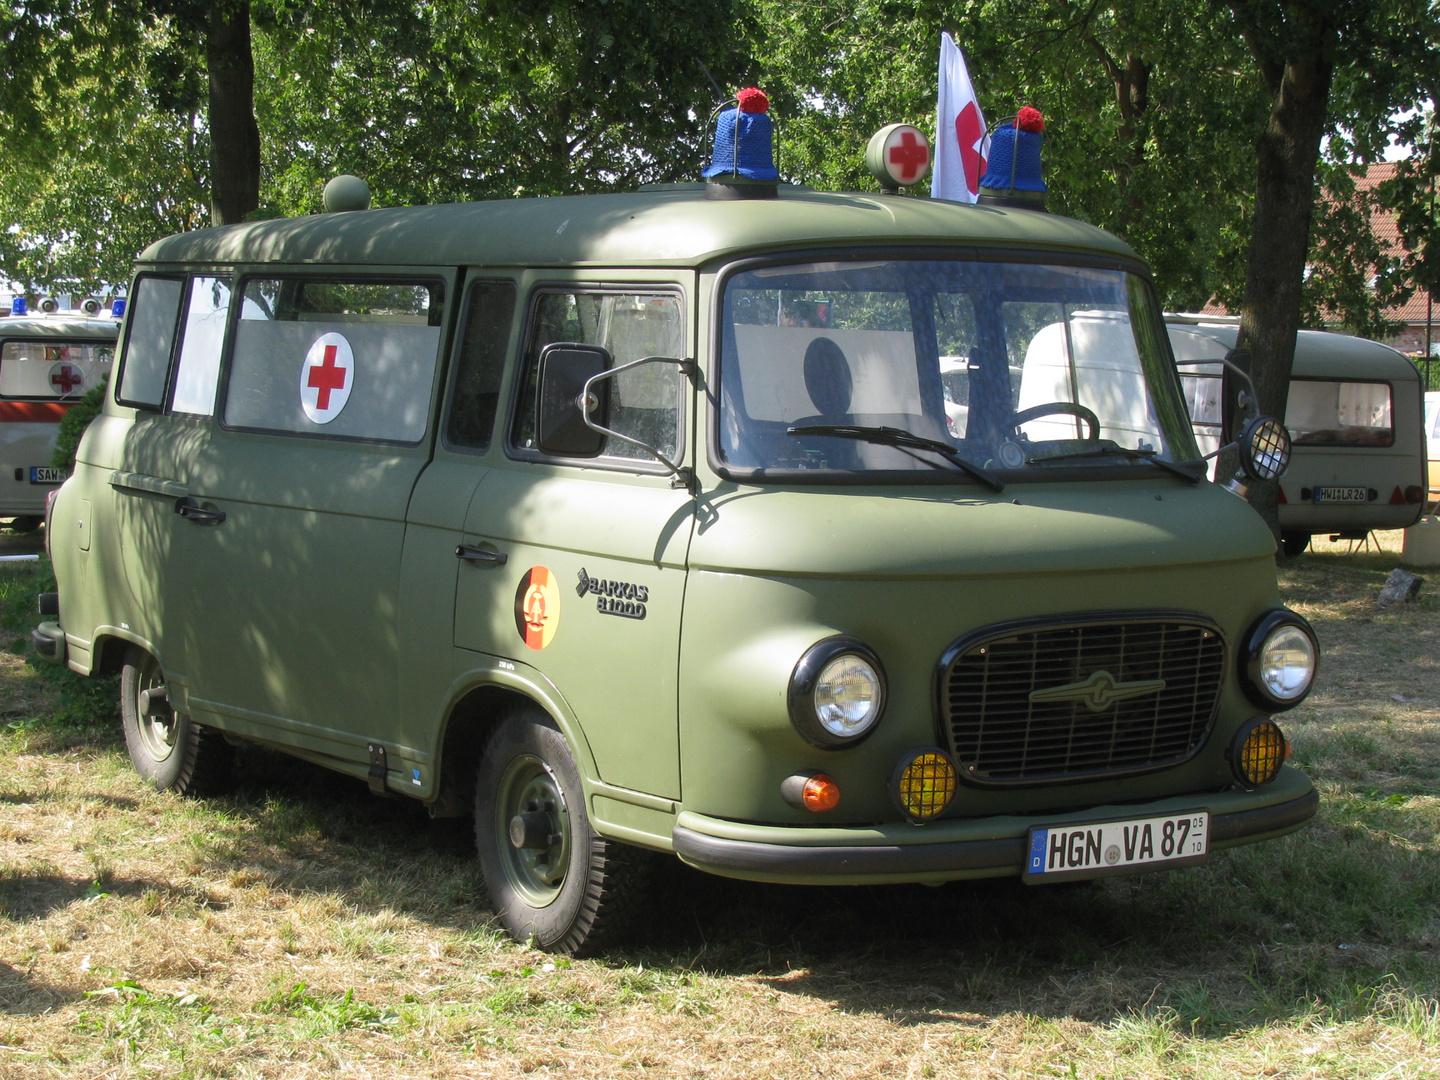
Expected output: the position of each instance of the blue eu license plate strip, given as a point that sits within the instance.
(1099, 848)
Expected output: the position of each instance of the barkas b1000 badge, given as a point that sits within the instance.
(326, 378)
(537, 607)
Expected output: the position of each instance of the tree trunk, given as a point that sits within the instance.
(234, 135)
(1286, 153)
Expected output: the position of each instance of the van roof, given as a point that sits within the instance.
(673, 225)
(1320, 353)
(63, 327)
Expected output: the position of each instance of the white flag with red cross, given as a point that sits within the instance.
(961, 144)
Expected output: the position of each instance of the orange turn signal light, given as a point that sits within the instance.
(813, 791)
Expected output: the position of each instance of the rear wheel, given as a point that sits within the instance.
(552, 880)
(166, 747)
(24, 525)
(1294, 544)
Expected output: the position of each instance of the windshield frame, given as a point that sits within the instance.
(945, 475)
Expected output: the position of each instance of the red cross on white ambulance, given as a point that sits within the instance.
(326, 378)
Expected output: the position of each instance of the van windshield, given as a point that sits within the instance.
(1028, 371)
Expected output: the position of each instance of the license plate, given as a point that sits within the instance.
(1341, 495)
(45, 474)
(1117, 847)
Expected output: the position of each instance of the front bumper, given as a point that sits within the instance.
(951, 849)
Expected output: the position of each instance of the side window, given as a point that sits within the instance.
(46, 370)
(149, 341)
(476, 398)
(647, 403)
(198, 369)
(350, 358)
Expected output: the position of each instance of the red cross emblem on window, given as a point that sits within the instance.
(66, 378)
(327, 377)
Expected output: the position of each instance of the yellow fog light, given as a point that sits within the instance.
(1258, 751)
(924, 783)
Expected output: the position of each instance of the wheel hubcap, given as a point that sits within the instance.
(157, 731)
(533, 828)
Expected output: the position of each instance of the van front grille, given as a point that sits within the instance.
(1079, 700)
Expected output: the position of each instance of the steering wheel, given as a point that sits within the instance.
(1053, 407)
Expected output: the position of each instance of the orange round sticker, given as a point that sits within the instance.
(537, 607)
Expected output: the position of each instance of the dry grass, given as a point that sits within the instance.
(302, 929)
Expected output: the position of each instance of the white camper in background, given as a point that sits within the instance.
(1354, 413)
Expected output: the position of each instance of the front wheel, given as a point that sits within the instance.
(552, 880)
(167, 748)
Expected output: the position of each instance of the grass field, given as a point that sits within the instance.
(302, 928)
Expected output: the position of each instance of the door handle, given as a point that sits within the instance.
(475, 554)
(191, 510)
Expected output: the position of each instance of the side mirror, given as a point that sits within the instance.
(1264, 449)
(560, 414)
(1237, 394)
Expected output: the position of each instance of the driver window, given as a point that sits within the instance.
(646, 403)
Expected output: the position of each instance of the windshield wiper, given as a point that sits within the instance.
(908, 440)
(1125, 452)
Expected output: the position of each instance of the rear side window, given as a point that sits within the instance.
(149, 341)
(52, 370)
(346, 358)
(647, 403)
(1340, 413)
(198, 369)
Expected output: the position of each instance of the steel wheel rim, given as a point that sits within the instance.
(157, 733)
(527, 786)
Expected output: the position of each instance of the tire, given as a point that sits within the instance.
(23, 526)
(562, 888)
(1294, 544)
(172, 752)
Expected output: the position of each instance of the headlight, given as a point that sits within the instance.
(1279, 661)
(837, 693)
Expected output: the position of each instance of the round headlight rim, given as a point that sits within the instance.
(1252, 679)
(800, 694)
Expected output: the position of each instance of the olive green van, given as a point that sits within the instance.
(47, 363)
(646, 523)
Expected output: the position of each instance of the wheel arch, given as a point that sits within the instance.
(475, 709)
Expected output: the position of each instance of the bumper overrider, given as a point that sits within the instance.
(954, 848)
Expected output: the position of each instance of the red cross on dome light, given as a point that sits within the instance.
(910, 157)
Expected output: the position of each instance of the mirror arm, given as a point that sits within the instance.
(1250, 400)
(683, 476)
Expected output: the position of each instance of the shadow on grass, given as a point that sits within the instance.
(1330, 920)
(23, 995)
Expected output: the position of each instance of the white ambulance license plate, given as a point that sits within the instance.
(1341, 495)
(1117, 847)
(45, 474)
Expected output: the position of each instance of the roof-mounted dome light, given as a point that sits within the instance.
(346, 192)
(1012, 172)
(19, 307)
(742, 163)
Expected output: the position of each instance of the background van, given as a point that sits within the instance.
(47, 363)
(1354, 414)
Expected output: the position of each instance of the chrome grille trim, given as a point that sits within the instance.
(1000, 737)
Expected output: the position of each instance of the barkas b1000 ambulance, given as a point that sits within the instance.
(810, 537)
